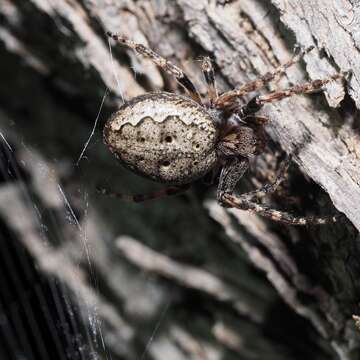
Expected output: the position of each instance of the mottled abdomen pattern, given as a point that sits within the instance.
(163, 136)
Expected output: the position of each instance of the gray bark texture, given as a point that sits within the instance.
(184, 278)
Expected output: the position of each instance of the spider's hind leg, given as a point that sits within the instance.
(164, 64)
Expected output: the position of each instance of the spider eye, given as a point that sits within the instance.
(168, 139)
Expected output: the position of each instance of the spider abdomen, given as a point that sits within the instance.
(163, 136)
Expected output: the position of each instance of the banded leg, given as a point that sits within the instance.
(209, 75)
(270, 188)
(277, 215)
(228, 99)
(231, 174)
(307, 88)
(174, 190)
(166, 65)
(257, 102)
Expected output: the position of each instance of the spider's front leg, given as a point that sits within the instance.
(242, 203)
(257, 102)
(228, 99)
(270, 188)
(164, 64)
(231, 174)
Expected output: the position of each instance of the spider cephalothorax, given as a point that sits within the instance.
(177, 139)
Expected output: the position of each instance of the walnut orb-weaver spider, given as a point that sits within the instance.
(176, 139)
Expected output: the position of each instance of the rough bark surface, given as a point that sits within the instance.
(186, 263)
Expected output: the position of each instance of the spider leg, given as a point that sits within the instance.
(231, 174)
(208, 71)
(174, 190)
(164, 64)
(270, 187)
(257, 102)
(227, 99)
(277, 215)
(307, 88)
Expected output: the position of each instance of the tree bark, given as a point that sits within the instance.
(186, 264)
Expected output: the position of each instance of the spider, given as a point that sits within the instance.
(177, 139)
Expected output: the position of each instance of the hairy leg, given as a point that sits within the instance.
(164, 64)
(270, 188)
(242, 203)
(231, 174)
(256, 103)
(174, 190)
(307, 88)
(228, 99)
(209, 75)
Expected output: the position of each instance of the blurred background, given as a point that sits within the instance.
(85, 276)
